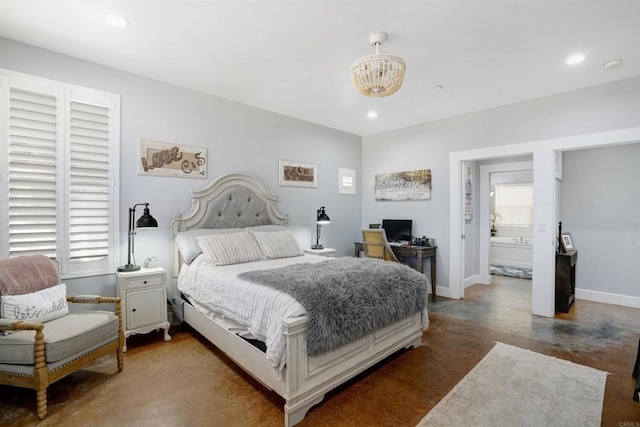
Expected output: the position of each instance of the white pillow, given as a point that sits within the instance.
(277, 244)
(225, 249)
(188, 245)
(41, 306)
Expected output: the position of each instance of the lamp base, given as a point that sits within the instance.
(317, 247)
(128, 267)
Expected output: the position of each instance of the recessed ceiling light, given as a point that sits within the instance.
(372, 114)
(612, 64)
(438, 87)
(575, 59)
(115, 20)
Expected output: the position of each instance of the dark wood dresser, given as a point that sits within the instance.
(565, 280)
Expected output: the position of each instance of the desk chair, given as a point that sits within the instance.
(41, 341)
(375, 245)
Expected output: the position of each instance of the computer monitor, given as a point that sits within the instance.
(397, 229)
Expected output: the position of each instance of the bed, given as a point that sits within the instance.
(289, 364)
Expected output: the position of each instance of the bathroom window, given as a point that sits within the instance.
(514, 202)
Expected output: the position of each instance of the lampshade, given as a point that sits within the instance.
(322, 218)
(146, 220)
(378, 75)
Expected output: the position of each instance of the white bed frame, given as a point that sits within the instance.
(240, 200)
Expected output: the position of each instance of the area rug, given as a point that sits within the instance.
(515, 387)
(520, 273)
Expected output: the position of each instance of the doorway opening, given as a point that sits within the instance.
(511, 224)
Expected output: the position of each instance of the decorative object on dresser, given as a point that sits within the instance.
(321, 219)
(41, 341)
(567, 242)
(144, 301)
(282, 362)
(146, 220)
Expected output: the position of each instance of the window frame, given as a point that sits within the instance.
(503, 224)
(65, 94)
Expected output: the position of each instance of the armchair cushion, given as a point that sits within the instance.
(42, 306)
(63, 337)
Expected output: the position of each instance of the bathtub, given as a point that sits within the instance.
(511, 251)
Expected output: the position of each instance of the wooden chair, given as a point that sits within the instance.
(33, 354)
(375, 245)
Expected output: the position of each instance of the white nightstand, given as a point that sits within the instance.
(144, 301)
(329, 252)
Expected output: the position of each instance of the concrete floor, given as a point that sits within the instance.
(188, 382)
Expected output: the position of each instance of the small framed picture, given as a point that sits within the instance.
(297, 174)
(566, 241)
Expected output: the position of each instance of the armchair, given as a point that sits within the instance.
(42, 344)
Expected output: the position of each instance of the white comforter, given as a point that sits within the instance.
(241, 305)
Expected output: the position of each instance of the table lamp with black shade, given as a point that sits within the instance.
(146, 220)
(321, 219)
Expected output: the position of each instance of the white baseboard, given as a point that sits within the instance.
(441, 291)
(475, 279)
(607, 298)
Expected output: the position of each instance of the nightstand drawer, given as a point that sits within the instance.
(146, 281)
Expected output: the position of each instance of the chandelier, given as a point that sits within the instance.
(378, 75)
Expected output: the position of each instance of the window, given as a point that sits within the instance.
(514, 203)
(58, 163)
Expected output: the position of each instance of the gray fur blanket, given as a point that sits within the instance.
(347, 298)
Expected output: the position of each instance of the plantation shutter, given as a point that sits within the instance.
(515, 204)
(89, 182)
(32, 173)
(58, 162)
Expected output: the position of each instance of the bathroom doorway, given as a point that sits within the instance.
(510, 249)
(511, 222)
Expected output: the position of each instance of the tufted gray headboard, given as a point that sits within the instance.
(230, 201)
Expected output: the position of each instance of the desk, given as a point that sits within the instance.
(420, 252)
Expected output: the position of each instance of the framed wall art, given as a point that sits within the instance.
(468, 194)
(346, 181)
(297, 174)
(165, 159)
(408, 185)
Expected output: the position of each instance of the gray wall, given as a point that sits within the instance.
(246, 139)
(600, 108)
(239, 138)
(600, 207)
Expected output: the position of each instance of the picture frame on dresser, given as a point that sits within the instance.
(567, 242)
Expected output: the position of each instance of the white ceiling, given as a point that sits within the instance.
(293, 56)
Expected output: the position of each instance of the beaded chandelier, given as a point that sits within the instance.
(378, 75)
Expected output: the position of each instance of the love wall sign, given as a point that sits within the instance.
(164, 159)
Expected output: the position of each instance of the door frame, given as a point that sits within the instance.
(545, 172)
